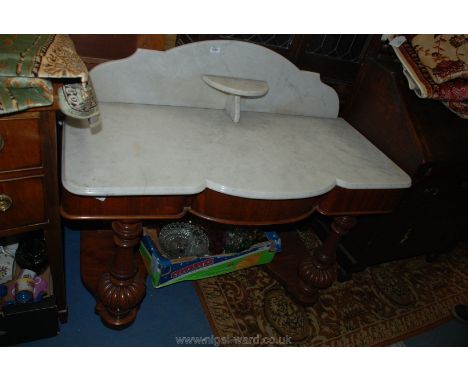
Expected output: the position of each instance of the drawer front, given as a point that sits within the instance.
(22, 202)
(29, 322)
(20, 144)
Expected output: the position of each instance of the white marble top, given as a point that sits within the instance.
(167, 150)
(164, 130)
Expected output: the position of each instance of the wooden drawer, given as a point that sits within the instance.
(27, 202)
(31, 321)
(21, 323)
(20, 143)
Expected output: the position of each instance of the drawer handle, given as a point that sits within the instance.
(2, 143)
(5, 202)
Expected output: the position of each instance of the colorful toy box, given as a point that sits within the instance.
(164, 271)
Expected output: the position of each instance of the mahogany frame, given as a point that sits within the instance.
(112, 270)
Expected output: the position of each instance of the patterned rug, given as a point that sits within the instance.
(379, 306)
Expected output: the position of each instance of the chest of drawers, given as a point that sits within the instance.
(29, 202)
(427, 141)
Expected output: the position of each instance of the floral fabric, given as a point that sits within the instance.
(19, 93)
(437, 67)
(29, 62)
(444, 56)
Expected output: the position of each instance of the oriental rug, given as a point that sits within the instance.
(379, 306)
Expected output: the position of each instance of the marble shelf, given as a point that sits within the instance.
(236, 88)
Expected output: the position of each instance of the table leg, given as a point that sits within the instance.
(121, 289)
(318, 270)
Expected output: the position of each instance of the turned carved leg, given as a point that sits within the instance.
(120, 290)
(318, 270)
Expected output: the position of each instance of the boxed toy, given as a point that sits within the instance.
(165, 268)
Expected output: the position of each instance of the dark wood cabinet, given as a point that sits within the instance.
(427, 141)
(29, 188)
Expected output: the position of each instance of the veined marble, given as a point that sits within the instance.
(164, 130)
(175, 78)
(167, 150)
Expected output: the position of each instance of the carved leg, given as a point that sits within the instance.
(120, 290)
(318, 270)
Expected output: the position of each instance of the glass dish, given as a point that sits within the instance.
(179, 240)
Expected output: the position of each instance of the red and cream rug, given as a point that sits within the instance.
(379, 306)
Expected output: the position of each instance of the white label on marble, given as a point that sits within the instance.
(215, 49)
(398, 41)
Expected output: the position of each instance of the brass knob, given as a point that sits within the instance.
(5, 202)
(2, 143)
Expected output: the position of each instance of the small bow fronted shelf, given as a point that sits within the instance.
(236, 88)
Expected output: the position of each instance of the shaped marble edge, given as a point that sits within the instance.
(353, 162)
(174, 78)
(103, 192)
